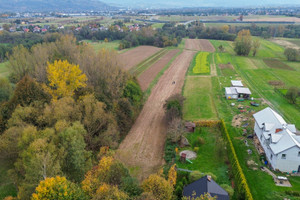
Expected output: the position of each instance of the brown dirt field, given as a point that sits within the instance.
(143, 147)
(134, 56)
(199, 45)
(148, 76)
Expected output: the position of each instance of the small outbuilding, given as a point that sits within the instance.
(237, 92)
(235, 83)
(205, 185)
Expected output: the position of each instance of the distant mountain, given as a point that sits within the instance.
(199, 3)
(52, 5)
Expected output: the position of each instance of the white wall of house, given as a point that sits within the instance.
(291, 162)
(272, 158)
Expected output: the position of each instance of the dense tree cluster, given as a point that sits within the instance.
(198, 30)
(68, 102)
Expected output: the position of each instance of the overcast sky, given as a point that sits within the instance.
(202, 3)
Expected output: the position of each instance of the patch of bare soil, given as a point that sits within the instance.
(143, 147)
(135, 56)
(199, 45)
(148, 76)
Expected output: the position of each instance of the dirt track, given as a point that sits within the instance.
(199, 45)
(142, 149)
(134, 56)
(148, 76)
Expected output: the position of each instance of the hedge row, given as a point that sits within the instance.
(207, 123)
(239, 176)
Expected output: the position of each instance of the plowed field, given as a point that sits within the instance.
(134, 56)
(148, 76)
(143, 147)
(199, 45)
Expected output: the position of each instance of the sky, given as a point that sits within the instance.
(201, 3)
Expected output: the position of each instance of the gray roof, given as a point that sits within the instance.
(280, 140)
(202, 186)
(268, 116)
(285, 141)
(243, 90)
(235, 83)
(230, 90)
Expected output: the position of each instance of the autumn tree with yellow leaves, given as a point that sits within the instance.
(58, 188)
(64, 78)
(158, 186)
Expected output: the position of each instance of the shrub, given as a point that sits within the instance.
(196, 149)
(170, 153)
(195, 175)
(291, 54)
(131, 186)
(173, 107)
(228, 189)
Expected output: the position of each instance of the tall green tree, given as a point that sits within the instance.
(291, 54)
(77, 160)
(243, 43)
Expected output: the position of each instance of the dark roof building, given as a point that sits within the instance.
(205, 185)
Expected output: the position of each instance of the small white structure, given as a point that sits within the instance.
(279, 140)
(235, 83)
(237, 92)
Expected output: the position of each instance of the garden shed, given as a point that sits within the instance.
(237, 92)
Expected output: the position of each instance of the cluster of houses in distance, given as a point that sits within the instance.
(42, 29)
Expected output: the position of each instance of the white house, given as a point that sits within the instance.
(280, 141)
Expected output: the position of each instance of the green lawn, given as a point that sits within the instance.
(199, 99)
(4, 71)
(211, 156)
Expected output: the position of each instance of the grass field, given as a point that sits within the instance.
(227, 45)
(209, 158)
(4, 71)
(277, 64)
(106, 45)
(269, 50)
(157, 25)
(199, 99)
